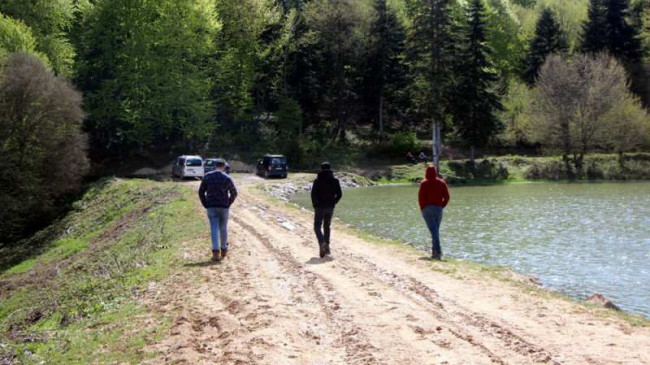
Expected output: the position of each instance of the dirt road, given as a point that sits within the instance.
(273, 301)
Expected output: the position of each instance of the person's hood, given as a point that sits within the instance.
(326, 174)
(431, 173)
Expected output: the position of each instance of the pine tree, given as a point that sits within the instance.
(476, 99)
(432, 53)
(385, 71)
(608, 28)
(624, 40)
(594, 31)
(549, 38)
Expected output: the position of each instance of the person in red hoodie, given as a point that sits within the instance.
(433, 198)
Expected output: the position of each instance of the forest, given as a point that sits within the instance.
(83, 82)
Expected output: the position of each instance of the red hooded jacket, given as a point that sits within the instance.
(433, 190)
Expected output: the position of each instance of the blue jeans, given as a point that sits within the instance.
(432, 215)
(219, 227)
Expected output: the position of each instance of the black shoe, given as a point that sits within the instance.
(436, 256)
(327, 249)
(321, 250)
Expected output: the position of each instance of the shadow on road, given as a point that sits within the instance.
(203, 263)
(428, 258)
(317, 260)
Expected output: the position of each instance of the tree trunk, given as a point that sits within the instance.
(381, 117)
(621, 162)
(567, 166)
(436, 143)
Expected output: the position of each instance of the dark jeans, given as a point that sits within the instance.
(322, 220)
(432, 215)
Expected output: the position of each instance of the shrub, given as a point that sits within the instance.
(41, 144)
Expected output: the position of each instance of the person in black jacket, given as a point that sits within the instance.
(217, 193)
(325, 194)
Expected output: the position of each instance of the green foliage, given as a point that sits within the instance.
(609, 29)
(240, 50)
(41, 143)
(517, 115)
(338, 25)
(399, 144)
(144, 69)
(475, 98)
(50, 21)
(431, 54)
(549, 39)
(505, 37)
(15, 36)
(385, 72)
(570, 15)
(584, 103)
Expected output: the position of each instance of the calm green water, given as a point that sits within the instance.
(579, 239)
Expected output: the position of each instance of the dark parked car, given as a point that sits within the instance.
(273, 165)
(210, 163)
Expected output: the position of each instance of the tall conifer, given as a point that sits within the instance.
(549, 38)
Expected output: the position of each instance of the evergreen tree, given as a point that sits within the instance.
(608, 28)
(432, 56)
(624, 39)
(476, 100)
(594, 31)
(335, 24)
(549, 38)
(385, 71)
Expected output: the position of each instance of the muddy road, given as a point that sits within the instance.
(273, 301)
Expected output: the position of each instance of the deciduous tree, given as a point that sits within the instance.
(42, 147)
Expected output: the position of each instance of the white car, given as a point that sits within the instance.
(188, 166)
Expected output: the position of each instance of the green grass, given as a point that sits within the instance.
(76, 300)
(520, 169)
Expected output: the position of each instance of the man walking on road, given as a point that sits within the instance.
(217, 193)
(433, 198)
(325, 194)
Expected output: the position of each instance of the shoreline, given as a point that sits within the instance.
(506, 274)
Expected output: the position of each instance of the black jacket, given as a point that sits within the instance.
(326, 191)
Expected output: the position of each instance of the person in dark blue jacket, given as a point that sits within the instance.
(217, 193)
(325, 194)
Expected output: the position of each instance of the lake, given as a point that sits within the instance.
(578, 239)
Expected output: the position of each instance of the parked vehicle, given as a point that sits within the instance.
(209, 165)
(188, 166)
(273, 165)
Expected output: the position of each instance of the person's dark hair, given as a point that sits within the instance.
(325, 166)
(220, 163)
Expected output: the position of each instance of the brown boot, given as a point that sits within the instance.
(224, 252)
(215, 255)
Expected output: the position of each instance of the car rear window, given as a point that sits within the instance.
(209, 163)
(194, 162)
(278, 161)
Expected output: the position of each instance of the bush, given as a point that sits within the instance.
(398, 145)
(484, 170)
(41, 144)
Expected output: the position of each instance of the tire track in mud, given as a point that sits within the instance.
(458, 319)
(358, 350)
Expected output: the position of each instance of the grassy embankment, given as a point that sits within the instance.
(72, 293)
(597, 167)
